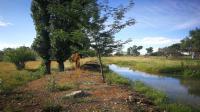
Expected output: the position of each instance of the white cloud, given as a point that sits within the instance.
(12, 45)
(155, 42)
(4, 24)
(158, 41)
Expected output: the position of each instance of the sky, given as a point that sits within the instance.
(159, 23)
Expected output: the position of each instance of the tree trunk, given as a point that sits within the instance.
(47, 64)
(61, 66)
(101, 67)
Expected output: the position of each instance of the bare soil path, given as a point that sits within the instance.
(34, 96)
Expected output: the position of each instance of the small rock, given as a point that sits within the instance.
(130, 98)
(77, 94)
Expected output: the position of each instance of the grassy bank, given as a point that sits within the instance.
(159, 65)
(11, 78)
(156, 96)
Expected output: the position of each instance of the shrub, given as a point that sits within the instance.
(19, 56)
(52, 106)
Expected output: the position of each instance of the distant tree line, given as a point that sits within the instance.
(188, 46)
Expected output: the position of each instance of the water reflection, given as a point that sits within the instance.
(182, 91)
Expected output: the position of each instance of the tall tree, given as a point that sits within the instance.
(41, 43)
(195, 38)
(149, 50)
(129, 51)
(101, 33)
(135, 50)
(68, 19)
(186, 45)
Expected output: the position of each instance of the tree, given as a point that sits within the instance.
(195, 40)
(172, 50)
(186, 45)
(59, 25)
(41, 43)
(1, 55)
(149, 50)
(135, 50)
(67, 21)
(101, 33)
(129, 51)
(19, 56)
(119, 51)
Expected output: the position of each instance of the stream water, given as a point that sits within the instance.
(185, 91)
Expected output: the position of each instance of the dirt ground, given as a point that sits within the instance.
(34, 96)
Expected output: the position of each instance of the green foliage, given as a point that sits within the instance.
(195, 38)
(191, 73)
(1, 55)
(134, 50)
(19, 56)
(88, 53)
(190, 45)
(149, 50)
(105, 22)
(113, 78)
(41, 43)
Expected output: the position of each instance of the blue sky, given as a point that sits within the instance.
(159, 23)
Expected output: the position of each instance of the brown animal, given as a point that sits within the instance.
(75, 57)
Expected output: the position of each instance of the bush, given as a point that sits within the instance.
(19, 56)
(1, 55)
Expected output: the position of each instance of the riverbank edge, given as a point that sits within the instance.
(165, 71)
(158, 97)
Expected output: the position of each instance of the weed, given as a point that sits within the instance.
(52, 106)
(53, 86)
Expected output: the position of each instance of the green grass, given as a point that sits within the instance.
(10, 78)
(159, 65)
(158, 97)
(53, 86)
(112, 78)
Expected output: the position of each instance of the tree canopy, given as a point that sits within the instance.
(134, 50)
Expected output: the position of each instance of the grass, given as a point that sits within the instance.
(11, 78)
(52, 106)
(158, 97)
(159, 65)
(112, 78)
(53, 86)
